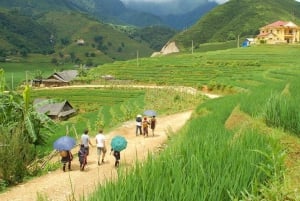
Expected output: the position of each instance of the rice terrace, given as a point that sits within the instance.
(243, 145)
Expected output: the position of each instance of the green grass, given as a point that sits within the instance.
(204, 161)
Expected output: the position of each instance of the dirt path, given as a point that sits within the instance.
(59, 185)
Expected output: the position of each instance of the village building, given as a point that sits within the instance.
(279, 32)
(57, 79)
(80, 42)
(248, 42)
(53, 109)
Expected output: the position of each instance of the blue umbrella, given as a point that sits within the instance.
(64, 143)
(118, 143)
(150, 113)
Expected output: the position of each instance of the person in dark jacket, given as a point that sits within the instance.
(117, 156)
(82, 154)
(153, 124)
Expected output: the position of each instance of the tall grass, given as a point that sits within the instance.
(204, 162)
(283, 112)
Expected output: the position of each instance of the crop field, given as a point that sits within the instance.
(224, 67)
(18, 70)
(208, 160)
(231, 149)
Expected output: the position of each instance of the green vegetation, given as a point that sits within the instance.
(21, 35)
(155, 36)
(78, 39)
(226, 151)
(21, 130)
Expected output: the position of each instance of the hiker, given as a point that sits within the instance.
(82, 157)
(66, 157)
(138, 125)
(145, 125)
(153, 124)
(101, 147)
(85, 140)
(117, 156)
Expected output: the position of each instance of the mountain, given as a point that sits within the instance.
(71, 30)
(68, 36)
(110, 11)
(237, 18)
(183, 21)
(176, 14)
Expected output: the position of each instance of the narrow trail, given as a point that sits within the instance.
(61, 186)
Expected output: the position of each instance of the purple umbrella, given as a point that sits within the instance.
(64, 143)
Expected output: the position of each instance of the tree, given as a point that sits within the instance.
(22, 128)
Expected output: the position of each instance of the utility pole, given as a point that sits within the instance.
(12, 81)
(137, 58)
(192, 46)
(238, 41)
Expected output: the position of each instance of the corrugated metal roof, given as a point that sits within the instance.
(65, 76)
(51, 108)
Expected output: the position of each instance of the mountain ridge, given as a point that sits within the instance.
(237, 18)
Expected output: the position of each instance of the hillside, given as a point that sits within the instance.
(100, 41)
(110, 11)
(21, 34)
(237, 18)
(37, 27)
(48, 33)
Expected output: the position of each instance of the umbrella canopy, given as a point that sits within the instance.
(118, 143)
(64, 143)
(150, 113)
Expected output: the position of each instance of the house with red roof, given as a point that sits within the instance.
(279, 32)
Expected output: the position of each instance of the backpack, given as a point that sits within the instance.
(63, 153)
(138, 119)
(145, 124)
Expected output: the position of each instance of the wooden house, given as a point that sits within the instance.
(53, 109)
(57, 79)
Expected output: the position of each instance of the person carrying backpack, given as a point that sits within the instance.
(145, 125)
(138, 125)
(66, 157)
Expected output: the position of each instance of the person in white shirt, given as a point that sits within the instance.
(138, 125)
(101, 146)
